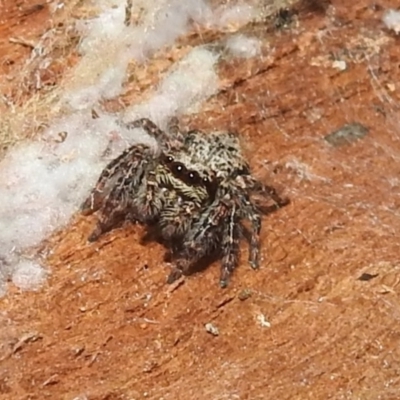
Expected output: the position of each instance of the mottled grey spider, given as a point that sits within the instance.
(194, 189)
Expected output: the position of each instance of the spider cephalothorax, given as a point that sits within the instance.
(194, 189)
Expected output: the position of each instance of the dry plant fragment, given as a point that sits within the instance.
(211, 328)
(347, 134)
(391, 19)
(30, 337)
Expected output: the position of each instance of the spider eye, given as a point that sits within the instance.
(167, 159)
(193, 177)
(179, 168)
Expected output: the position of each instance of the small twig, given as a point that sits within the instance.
(7, 101)
(128, 12)
(174, 286)
(225, 301)
(93, 358)
(51, 381)
(150, 321)
(34, 9)
(27, 338)
(22, 42)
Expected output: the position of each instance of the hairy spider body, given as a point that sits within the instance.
(195, 190)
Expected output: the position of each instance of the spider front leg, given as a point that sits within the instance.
(147, 202)
(258, 187)
(150, 127)
(175, 132)
(122, 165)
(173, 138)
(112, 213)
(97, 196)
(115, 203)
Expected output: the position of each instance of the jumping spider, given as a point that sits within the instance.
(194, 189)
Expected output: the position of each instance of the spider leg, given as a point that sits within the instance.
(147, 203)
(273, 194)
(254, 255)
(173, 138)
(259, 187)
(97, 195)
(150, 127)
(175, 131)
(112, 213)
(230, 247)
(118, 204)
(173, 126)
(122, 165)
(250, 212)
